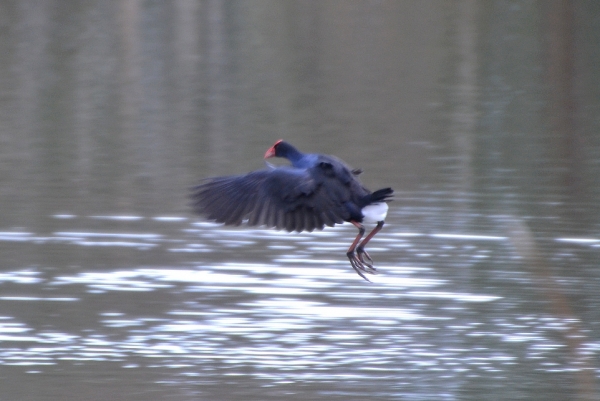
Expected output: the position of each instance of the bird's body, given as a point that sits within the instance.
(314, 192)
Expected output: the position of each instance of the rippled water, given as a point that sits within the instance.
(481, 115)
(229, 313)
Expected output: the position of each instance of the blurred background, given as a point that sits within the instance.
(482, 115)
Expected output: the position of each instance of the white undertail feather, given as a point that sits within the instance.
(375, 212)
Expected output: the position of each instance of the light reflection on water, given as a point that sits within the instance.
(302, 317)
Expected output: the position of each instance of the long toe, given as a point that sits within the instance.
(368, 263)
(358, 266)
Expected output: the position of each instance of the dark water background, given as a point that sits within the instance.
(482, 115)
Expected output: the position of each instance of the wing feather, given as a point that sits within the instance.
(284, 197)
(254, 215)
(290, 221)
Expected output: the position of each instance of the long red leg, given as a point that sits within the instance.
(356, 261)
(361, 248)
(361, 232)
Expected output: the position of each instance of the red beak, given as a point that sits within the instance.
(270, 152)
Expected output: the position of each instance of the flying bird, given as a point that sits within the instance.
(313, 192)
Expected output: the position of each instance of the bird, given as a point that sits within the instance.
(314, 191)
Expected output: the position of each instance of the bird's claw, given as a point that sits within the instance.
(360, 265)
(362, 254)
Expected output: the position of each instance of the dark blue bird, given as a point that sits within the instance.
(314, 192)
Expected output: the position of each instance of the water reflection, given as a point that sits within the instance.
(482, 116)
(283, 317)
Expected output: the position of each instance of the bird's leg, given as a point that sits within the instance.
(360, 250)
(355, 261)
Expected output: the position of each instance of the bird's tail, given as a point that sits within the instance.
(381, 195)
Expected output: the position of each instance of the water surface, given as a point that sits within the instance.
(480, 116)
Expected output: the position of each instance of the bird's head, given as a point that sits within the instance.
(287, 151)
(272, 151)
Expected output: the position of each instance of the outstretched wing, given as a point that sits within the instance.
(283, 197)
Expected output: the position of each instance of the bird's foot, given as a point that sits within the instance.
(362, 254)
(360, 266)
